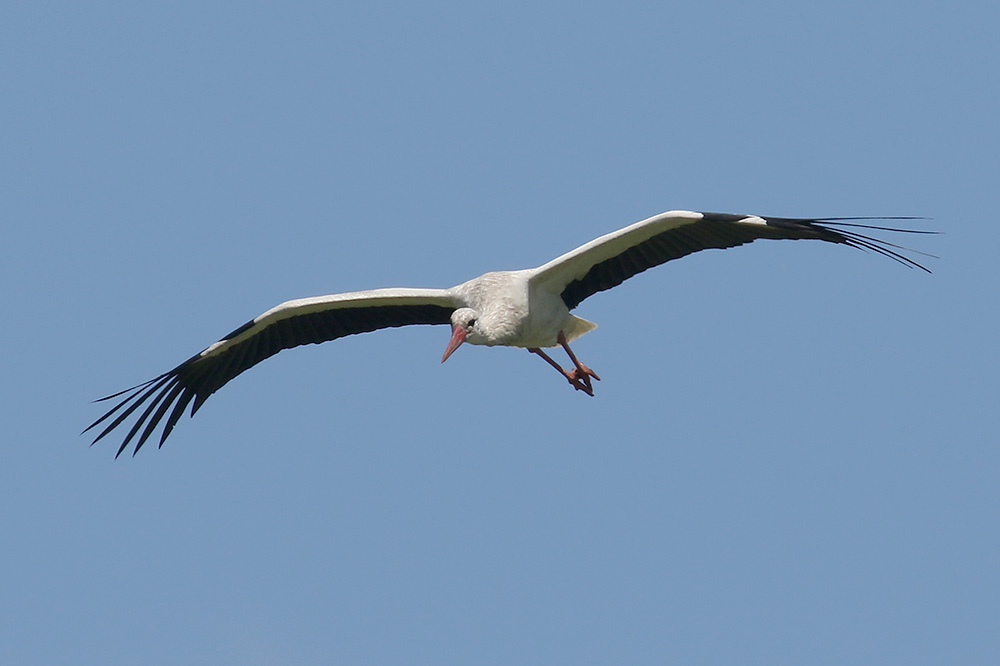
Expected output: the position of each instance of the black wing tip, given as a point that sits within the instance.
(123, 392)
(835, 228)
(157, 395)
(838, 226)
(847, 222)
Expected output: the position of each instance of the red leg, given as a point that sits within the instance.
(581, 371)
(570, 375)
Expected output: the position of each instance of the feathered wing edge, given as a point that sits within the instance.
(170, 388)
(308, 321)
(877, 245)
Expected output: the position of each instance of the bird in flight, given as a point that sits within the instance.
(526, 308)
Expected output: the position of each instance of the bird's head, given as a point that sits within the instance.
(463, 324)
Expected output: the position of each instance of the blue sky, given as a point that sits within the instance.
(793, 454)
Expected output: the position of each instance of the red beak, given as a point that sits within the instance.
(457, 338)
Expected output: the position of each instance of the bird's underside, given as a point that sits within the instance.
(529, 308)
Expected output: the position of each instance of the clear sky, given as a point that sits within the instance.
(792, 458)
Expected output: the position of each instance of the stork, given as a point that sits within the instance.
(524, 308)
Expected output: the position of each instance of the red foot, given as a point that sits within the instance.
(579, 376)
(581, 380)
(587, 372)
(580, 385)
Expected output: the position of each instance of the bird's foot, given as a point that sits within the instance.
(579, 376)
(580, 384)
(581, 380)
(584, 373)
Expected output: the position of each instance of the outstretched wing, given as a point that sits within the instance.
(608, 261)
(294, 323)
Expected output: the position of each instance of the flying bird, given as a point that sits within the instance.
(525, 308)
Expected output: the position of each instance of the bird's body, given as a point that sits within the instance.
(514, 310)
(524, 308)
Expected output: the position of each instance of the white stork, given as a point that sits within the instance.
(527, 308)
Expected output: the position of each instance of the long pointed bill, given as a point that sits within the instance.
(457, 338)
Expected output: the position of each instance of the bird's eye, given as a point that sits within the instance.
(472, 322)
